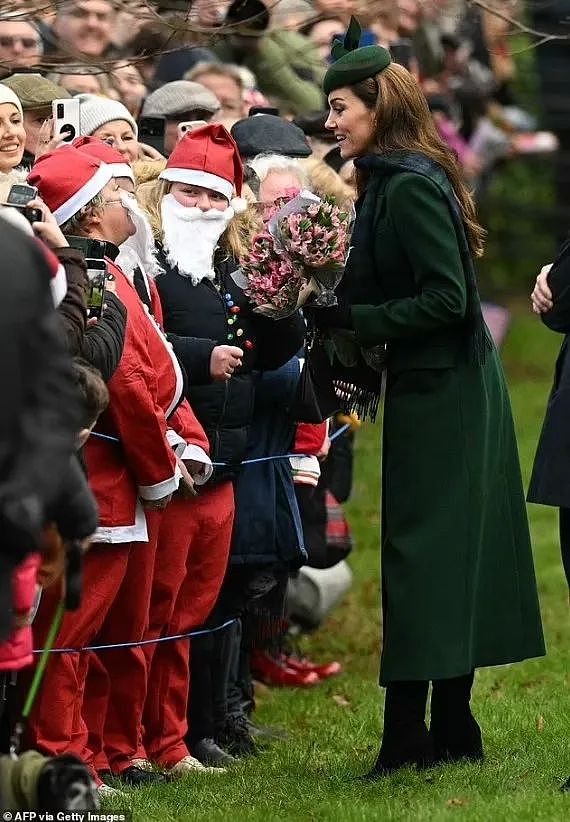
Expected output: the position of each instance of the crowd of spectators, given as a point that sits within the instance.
(248, 53)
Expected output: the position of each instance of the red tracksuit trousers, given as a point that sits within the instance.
(187, 580)
(111, 574)
(115, 684)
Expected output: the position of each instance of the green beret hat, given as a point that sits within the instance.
(353, 64)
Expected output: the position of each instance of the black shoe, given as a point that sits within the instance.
(208, 752)
(566, 786)
(236, 739)
(137, 778)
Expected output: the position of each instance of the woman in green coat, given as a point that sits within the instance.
(458, 583)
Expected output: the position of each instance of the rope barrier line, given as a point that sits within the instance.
(190, 634)
(140, 644)
(334, 436)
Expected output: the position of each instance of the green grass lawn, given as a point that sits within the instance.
(335, 728)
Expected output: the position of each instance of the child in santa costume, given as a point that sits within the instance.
(133, 470)
(220, 341)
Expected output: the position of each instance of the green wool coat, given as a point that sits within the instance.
(458, 582)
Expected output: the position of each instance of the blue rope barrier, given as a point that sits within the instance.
(140, 644)
(190, 634)
(334, 436)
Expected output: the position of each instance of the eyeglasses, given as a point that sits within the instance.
(7, 42)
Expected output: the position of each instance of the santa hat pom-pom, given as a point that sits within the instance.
(239, 204)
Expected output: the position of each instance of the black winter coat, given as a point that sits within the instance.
(103, 342)
(199, 317)
(73, 308)
(550, 480)
(267, 525)
(39, 414)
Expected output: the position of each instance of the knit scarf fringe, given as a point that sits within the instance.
(357, 399)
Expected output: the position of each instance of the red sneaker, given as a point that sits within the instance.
(274, 671)
(322, 671)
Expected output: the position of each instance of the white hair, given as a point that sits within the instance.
(265, 164)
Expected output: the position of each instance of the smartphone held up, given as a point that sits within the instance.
(97, 273)
(66, 120)
(20, 195)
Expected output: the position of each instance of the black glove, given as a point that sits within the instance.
(337, 316)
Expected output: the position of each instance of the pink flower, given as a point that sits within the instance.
(317, 237)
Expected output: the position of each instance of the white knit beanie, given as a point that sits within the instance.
(8, 96)
(95, 111)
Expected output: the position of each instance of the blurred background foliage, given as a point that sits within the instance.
(519, 208)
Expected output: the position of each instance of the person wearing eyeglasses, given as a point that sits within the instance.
(20, 45)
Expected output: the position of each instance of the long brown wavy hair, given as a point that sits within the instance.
(404, 123)
(236, 239)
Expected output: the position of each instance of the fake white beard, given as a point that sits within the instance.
(190, 237)
(138, 250)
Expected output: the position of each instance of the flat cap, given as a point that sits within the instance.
(35, 91)
(266, 133)
(179, 97)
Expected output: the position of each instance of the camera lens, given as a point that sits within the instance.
(60, 110)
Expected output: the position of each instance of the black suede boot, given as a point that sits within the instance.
(455, 732)
(406, 739)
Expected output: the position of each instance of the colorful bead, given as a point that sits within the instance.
(239, 332)
(227, 296)
(230, 336)
(235, 309)
(230, 303)
(248, 344)
(231, 320)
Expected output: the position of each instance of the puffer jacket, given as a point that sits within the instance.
(199, 317)
(16, 651)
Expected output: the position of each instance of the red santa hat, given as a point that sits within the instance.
(67, 180)
(95, 147)
(208, 157)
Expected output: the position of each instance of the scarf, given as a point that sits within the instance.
(477, 340)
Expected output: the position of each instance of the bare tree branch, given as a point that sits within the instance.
(543, 36)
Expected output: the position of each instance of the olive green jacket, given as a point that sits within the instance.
(287, 67)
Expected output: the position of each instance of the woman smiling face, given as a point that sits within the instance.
(12, 137)
(352, 123)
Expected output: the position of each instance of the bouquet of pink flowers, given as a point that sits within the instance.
(301, 255)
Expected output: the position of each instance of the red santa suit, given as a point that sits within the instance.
(190, 565)
(137, 462)
(186, 584)
(182, 543)
(113, 709)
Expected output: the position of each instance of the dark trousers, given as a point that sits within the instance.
(219, 661)
(564, 523)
